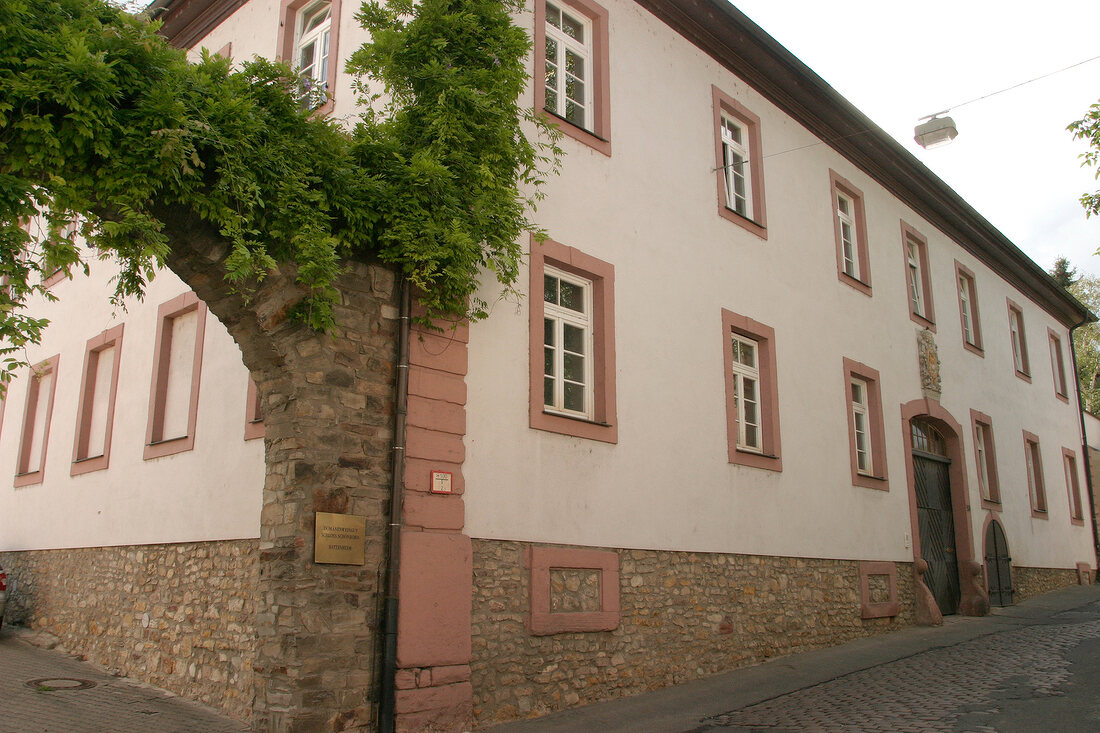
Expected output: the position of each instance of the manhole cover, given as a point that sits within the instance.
(50, 684)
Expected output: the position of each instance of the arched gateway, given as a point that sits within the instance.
(935, 516)
(947, 572)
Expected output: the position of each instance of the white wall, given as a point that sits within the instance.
(213, 492)
(650, 210)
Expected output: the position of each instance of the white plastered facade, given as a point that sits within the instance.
(212, 492)
(649, 209)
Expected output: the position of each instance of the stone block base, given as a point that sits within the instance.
(1031, 582)
(178, 616)
(683, 616)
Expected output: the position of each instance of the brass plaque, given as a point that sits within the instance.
(341, 539)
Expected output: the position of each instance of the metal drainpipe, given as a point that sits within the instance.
(1085, 447)
(386, 719)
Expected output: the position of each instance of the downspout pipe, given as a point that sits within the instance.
(1085, 446)
(386, 709)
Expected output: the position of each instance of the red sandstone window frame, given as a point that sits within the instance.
(991, 491)
(599, 137)
(879, 478)
(838, 185)
(926, 319)
(885, 609)
(1021, 366)
(604, 425)
(24, 477)
(725, 104)
(541, 560)
(156, 446)
(968, 309)
(82, 462)
(771, 456)
(1058, 365)
(1073, 486)
(1033, 467)
(253, 413)
(55, 277)
(288, 30)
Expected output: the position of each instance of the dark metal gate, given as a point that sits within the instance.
(935, 517)
(998, 565)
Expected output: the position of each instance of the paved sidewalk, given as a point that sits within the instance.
(46, 691)
(1030, 667)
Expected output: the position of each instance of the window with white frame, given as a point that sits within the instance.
(866, 432)
(31, 459)
(853, 260)
(735, 158)
(567, 343)
(1019, 340)
(1069, 462)
(849, 248)
(746, 392)
(569, 66)
(752, 393)
(1034, 465)
(311, 47)
(1057, 365)
(968, 309)
(861, 428)
(964, 309)
(985, 458)
(916, 282)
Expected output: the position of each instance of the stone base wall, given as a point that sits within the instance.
(683, 616)
(1030, 582)
(178, 616)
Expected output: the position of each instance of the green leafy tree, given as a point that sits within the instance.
(1088, 129)
(1063, 273)
(105, 126)
(1086, 343)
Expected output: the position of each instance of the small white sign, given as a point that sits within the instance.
(441, 482)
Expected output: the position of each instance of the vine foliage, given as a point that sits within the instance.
(103, 125)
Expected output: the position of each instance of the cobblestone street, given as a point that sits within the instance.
(45, 691)
(1031, 667)
(965, 687)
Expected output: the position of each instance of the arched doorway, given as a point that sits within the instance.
(998, 565)
(935, 514)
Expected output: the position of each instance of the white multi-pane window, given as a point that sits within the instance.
(569, 60)
(1035, 477)
(311, 49)
(746, 393)
(965, 309)
(735, 158)
(916, 284)
(849, 248)
(861, 427)
(1016, 328)
(567, 344)
(980, 440)
(1070, 464)
(1057, 365)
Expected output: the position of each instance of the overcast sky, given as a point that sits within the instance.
(1013, 159)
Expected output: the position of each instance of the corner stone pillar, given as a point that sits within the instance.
(328, 407)
(433, 690)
